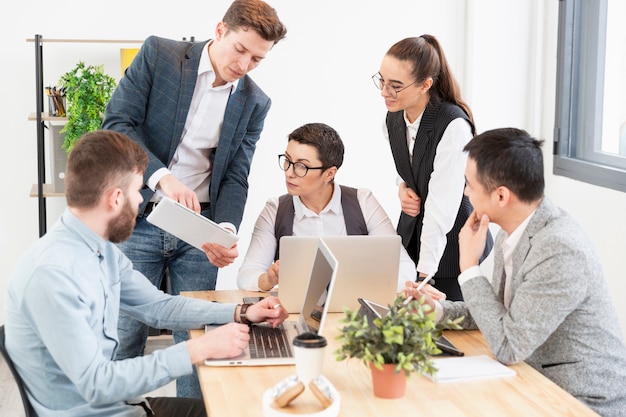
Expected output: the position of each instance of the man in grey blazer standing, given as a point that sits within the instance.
(548, 303)
(192, 107)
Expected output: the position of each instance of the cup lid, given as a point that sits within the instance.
(309, 340)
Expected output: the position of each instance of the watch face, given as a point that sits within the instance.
(251, 300)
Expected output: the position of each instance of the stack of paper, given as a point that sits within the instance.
(468, 368)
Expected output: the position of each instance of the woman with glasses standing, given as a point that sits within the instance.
(427, 126)
(313, 206)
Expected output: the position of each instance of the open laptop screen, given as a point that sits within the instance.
(321, 280)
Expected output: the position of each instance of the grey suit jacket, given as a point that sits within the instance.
(151, 103)
(561, 320)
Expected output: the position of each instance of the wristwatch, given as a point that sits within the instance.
(243, 318)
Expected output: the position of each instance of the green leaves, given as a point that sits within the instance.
(405, 336)
(88, 90)
(393, 334)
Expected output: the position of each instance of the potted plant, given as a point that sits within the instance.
(88, 90)
(394, 345)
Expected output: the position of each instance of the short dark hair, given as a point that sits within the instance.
(101, 160)
(509, 157)
(325, 139)
(256, 15)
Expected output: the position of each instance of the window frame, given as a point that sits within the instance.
(581, 51)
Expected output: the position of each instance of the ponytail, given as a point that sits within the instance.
(446, 87)
(428, 60)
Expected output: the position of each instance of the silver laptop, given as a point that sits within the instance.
(369, 269)
(188, 225)
(277, 349)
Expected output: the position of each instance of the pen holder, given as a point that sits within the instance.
(56, 105)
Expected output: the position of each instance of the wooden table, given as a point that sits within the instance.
(238, 391)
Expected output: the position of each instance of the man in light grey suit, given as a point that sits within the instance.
(548, 303)
(192, 107)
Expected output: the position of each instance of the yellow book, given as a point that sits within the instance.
(126, 57)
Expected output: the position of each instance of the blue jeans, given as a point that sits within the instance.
(153, 252)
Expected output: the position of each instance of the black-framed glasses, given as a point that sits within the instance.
(299, 169)
(380, 84)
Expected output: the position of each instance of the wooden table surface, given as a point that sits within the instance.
(238, 391)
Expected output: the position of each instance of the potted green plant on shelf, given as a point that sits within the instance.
(88, 89)
(394, 345)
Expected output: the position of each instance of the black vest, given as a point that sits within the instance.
(352, 215)
(416, 174)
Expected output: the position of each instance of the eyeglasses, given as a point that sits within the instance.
(380, 84)
(298, 167)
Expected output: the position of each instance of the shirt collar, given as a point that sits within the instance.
(415, 124)
(93, 240)
(205, 67)
(334, 205)
(513, 239)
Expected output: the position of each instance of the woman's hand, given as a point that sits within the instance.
(269, 279)
(409, 200)
(410, 290)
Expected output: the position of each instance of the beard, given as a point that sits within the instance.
(121, 228)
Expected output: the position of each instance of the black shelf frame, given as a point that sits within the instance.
(39, 103)
(41, 154)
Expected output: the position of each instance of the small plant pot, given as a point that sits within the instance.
(387, 383)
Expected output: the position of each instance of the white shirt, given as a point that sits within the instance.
(411, 133)
(192, 161)
(445, 189)
(329, 222)
(508, 246)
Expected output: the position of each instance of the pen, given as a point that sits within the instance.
(421, 285)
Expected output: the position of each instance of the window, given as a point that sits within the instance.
(590, 122)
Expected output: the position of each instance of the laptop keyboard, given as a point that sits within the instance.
(269, 342)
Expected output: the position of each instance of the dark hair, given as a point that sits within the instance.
(509, 157)
(256, 15)
(428, 60)
(101, 160)
(325, 139)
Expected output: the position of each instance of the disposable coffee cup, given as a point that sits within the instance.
(309, 352)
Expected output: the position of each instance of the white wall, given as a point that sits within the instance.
(503, 53)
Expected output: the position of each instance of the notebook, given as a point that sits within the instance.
(313, 312)
(369, 269)
(188, 225)
(469, 368)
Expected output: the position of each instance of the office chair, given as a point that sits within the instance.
(28, 409)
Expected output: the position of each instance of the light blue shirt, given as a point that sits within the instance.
(62, 306)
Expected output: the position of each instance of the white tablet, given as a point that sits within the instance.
(188, 225)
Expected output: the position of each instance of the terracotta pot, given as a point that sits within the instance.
(387, 383)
